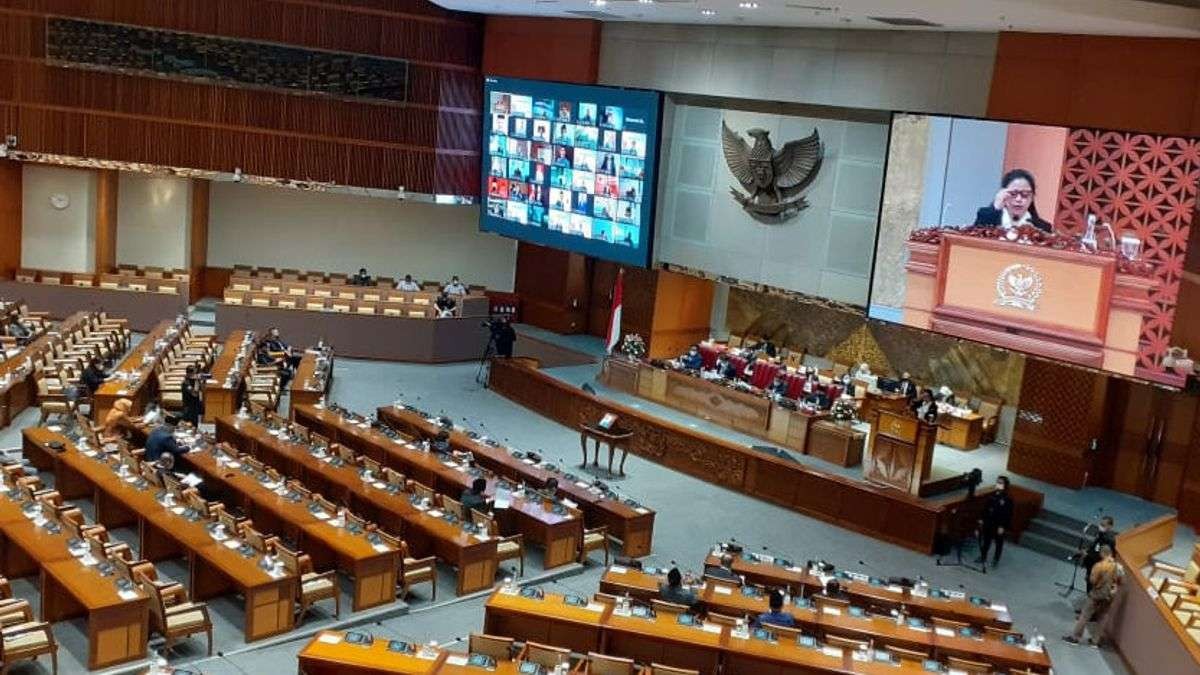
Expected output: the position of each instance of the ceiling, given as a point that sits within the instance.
(1159, 18)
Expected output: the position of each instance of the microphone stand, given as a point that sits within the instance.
(1076, 562)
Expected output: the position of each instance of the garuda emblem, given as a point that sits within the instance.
(1019, 286)
(773, 179)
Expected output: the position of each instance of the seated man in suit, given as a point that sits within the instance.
(907, 387)
(673, 590)
(281, 349)
(407, 284)
(93, 376)
(475, 498)
(818, 399)
(445, 305)
(18, 330)
(455, 287)
(725, 368)
(723, 570)
(775, 617)
(692, 359)
(362, 278)
(779, 387)
(764, 345)
(161, 441)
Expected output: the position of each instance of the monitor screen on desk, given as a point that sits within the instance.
(1063, 242)
(571, 166)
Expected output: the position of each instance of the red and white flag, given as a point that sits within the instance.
(614, 319)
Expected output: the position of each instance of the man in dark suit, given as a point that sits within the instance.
(474, 497)
(995, 521)
(907, 387)
(362, 278)
(764, 345)
(1013, 205)
(160, 441)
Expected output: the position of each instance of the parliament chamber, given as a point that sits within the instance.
(604, 338)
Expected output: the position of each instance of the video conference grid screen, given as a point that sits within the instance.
(571, 166)
(1062, 242)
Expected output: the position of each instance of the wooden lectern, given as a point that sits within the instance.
(901, 450)
(1073, 305)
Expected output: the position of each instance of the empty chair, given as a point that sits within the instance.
(499, 648)
(173, 616)
(544, 655)
(599, 664)
(28, 641)
(507, 548)
(314, 587)
(595, 539)
(412, 571)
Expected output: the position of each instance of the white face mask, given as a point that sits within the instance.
(999, 487)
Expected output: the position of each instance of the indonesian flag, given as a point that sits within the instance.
(614, 319)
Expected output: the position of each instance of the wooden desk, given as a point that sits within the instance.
(617, 439)
(960, 431)
(426, 534)
(388, 338)
(836, 442)
(883, 513)
(371, 567)
(143, 309)
(627, 520)
(20, 392)
(227, 378)
(329, 654)
(214, 569)
(139, 365)
(117, 627)
(312, 381)
(549, 621)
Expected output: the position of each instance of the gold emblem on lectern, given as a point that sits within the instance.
(1019, 285)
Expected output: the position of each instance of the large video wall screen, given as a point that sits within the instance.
(1066, 243)
(571, 166)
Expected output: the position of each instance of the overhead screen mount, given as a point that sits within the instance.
(1047, 240)
(571, 166)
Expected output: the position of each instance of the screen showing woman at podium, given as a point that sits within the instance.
(1066, 243)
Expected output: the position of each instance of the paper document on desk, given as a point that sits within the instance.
(569, 504)
(191, 480)
(381, 548)
(711, 628)
(618, 569)
(232, 544)
(999, 608)
(831, 610)
(581, 484)
(722, 590)
(944, 632)
(457, 660)
(329, 638)
(835, 652)
(127, 595)
(321, 515)
(641, 510)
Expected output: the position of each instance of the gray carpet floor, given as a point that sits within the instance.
(692, 515)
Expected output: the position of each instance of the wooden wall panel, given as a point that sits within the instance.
(198, 237)
(107, 181)
(10, 217)
(1061, 410)
(205, 126)
(568, 50)
(682, 313)
(1142, 84)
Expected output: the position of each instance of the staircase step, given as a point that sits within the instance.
(1052, 531)
(1047, 547)
(1061, 520)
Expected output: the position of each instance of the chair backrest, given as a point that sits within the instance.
(545, 655)
(450, 505)
(421, 490)
(664, 607)
(659, 669)
(721, 619)
(845, 642)
(939, 622)
(910, 655)
(499, 648)
(599, 664)
(393, 477)
(969, 665)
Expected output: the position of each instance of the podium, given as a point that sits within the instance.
(901, 451)
(1060, 303)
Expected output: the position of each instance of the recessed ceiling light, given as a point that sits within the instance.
(645, 2)
(748, 5)
(599, 3)
(708, 12)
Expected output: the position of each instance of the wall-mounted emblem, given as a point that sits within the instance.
(1019, 285)
(774, 180)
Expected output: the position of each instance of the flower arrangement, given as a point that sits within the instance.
(843, 410)
(633, 346)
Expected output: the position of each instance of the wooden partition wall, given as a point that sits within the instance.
(427, 144)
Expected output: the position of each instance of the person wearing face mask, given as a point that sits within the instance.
(925, 407)
(281, 349)
(408, 284)
(995, 521)
(847, 384)
(1013, 205)
(779, 388)
(1105, 536)
(906, 386)
(455, 287)
(692, 359)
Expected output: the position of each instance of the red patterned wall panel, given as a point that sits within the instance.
(1145, 185)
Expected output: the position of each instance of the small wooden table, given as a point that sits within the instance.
(617, 439)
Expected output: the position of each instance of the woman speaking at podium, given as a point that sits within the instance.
(1013, 205)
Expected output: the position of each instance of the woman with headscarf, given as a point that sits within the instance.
(113, 427)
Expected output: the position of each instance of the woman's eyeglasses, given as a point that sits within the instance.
(1024, 194)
